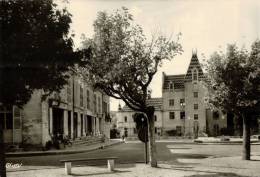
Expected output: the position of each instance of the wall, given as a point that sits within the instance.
(170, 124)
(32, 120)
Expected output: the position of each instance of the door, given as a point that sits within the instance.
(75, 125)
(58, 121)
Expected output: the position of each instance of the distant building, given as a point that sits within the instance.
(126, 124)
(181, 111)
(77, 111)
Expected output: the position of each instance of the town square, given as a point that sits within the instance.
(128, 88)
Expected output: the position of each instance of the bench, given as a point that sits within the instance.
(110, 162)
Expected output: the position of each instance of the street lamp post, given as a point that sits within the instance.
(189, 125)
(182, 104)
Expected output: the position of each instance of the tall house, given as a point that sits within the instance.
(183, 101)
(181, 111)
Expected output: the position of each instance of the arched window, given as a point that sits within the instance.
(194, 74)
(171, 86)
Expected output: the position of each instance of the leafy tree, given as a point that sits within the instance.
(234, 85)
(36, 52)
(123, 63)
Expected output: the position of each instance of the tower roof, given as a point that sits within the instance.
(194, 64)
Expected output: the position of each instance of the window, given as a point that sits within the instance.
(195, 75)
(182, 115)
(195, 94)
(104, 107)
(171, 115)
(125, 119)
(171, 86)
(9, 121)
(95, 103)
(196, 116)
(155, 118)
(88, 100)
(2, 120)
(178, 130)
(81, 96)
(196, 106)
(171, 102)
(216, 129)
(182, 103)
(215, 115)
(6, 118)
(155, 130)
(99, 105)
(69, 91)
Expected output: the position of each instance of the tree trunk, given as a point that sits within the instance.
(152, 145)
(2, 153)
(246, 138)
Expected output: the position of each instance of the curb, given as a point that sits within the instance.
(43, 153)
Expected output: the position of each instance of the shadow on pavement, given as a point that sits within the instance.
(100, 173)
(210, 173)
(217, 175)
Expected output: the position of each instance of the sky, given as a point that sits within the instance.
(205, 25)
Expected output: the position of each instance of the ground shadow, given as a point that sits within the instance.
(217, 175)
(100, 173)
(209, 173)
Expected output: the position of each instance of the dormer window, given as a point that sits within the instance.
(194, 74)
(171, 86)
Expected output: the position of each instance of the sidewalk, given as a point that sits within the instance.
(210, 167)
(68, 150)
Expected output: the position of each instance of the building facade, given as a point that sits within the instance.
(77, 111)
(182, 110)
(125, 119)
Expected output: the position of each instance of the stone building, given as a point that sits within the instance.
(77, 111)
(126, 124)
(182, 110)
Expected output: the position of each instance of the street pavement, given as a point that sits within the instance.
(175, 159)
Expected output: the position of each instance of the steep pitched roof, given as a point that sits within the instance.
(177, 80)
(156, 102)
(194, 64)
